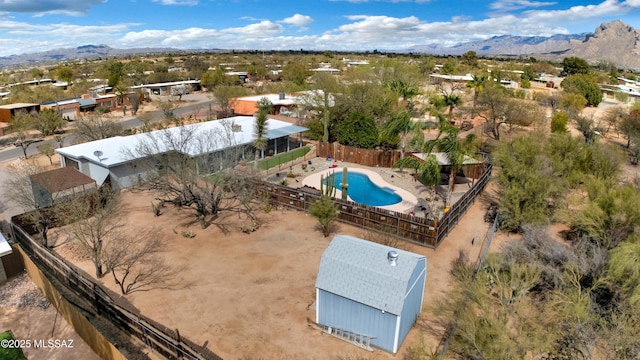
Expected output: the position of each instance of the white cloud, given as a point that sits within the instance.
(510, 5)
(298, 20)
(192, 38)
(177, 2)
(261, 29)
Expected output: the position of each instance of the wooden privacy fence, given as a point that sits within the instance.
(381, 158)
(453, 216)
(418, 230)
(164, 341)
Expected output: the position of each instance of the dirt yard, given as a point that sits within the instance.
(252, 295)
(28, 314)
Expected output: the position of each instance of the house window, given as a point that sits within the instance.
(71, 163)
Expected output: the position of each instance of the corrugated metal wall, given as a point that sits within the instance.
(345, 314)
(413, 300)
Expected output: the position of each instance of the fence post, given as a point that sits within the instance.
(96, 302)
(178, 345)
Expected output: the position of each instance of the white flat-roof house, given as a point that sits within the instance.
(117, 160)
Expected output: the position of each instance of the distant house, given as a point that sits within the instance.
(248, 105)
(115, 160)
(440, 78)
(292, 105)
(72, 109)
(186, 87)
(8, 111)
(59, 185)
(369, 294)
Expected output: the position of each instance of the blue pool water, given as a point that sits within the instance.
(362, 190)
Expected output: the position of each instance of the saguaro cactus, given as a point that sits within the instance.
(328, 189)
(345, 183)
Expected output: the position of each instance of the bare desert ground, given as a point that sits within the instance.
(251, 296)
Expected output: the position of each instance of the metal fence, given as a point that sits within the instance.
(163, 340)
(418, 230)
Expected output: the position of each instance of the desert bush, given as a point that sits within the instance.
(189, 234)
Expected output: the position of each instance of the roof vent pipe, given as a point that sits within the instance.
(392, 256)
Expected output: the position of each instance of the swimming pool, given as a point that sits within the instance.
(362, 190)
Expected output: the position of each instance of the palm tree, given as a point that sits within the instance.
(454, 149)
(121, 90)
(260, 129)
(477, 84)
(399, 125)
(451, 101)
(403, 89)
(427, 171)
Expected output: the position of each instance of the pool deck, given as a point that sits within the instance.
(408, 203)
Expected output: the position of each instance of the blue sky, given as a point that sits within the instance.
(36, 25)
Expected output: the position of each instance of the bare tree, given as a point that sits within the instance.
(47, 150)
(95, 128)
(135, 100)
(225, 95)
(135, 262)
(494, 102)
(94, 220)
(192, 167)
(21, 124)
(18, 189)
(167, 108)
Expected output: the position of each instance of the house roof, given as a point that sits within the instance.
(122, 149)
(273, 98)
(17, 106)
(172, 83)
(86, 102)
(359, 270)
(61, 179)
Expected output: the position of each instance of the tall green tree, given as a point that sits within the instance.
(296, 71)
(469, 58)
(358, 130)
(48, 122)
(585, 85)
(115, 71)
(65, 73)
(575, 65)
(260, 128)
(455, 150)
(322, 101)
(427, 171)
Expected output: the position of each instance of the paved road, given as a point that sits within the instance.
(202, 106)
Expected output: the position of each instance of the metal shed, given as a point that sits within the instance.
(368, 293)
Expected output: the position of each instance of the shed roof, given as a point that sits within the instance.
(443, 160)
(118, 150)
(359, 270)
(5, 247)
(61, 179)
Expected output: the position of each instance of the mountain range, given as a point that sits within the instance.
(614, 42)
